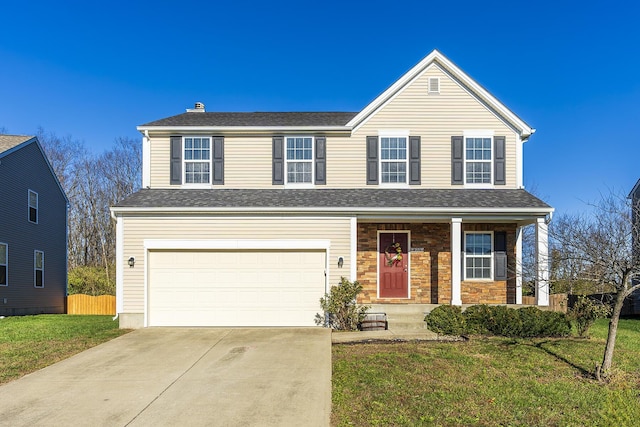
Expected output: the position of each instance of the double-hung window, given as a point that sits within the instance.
(33, 206)
(393, 160)
(478, 160)
(299, 159)
(478, 257)
(197, 160)
(38, 269)
(4, 261)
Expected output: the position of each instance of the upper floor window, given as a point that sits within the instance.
(299, 160)
(478, 255)
(4, 261)
(38, 269)
(197, 160)
(478, 156)
(393, 160)
(33, 206)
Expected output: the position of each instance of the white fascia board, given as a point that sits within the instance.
(244, 129)
(345, 210)
(435, 56)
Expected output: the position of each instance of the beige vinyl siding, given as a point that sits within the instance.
(433, 117)
(137, 229)
(437, 117)
(160, 166)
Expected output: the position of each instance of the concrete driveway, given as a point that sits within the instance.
(182, 376)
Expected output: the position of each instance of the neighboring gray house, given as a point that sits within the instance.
(33, 230)
(635, 218)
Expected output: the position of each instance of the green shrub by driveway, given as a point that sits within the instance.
(29, 343)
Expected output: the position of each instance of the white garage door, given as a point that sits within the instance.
(235, 288)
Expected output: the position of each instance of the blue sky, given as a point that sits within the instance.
(96, 70)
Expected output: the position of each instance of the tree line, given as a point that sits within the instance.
(93, 182)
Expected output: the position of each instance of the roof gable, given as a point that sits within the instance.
(12, 143)
(7, 142)
(435, 58)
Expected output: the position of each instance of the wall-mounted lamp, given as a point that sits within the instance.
(340, 262)
(131, 262)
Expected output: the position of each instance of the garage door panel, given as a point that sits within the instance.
(235, 288)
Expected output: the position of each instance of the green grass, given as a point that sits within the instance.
(488, 382)
(29, 343)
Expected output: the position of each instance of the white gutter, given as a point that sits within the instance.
(245, 129)
(345, 210)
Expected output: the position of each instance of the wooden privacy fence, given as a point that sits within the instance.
(557, 302)
(87, 304)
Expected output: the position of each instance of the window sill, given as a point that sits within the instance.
(300, 186)
(196, 186)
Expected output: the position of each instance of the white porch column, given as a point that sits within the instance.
(456, 265)
(519, 265)
(542, 262)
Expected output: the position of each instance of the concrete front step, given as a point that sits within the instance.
(404, 317)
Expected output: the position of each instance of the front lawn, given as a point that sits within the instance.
(488, 382)
(29, 343)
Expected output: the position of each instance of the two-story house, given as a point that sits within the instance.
(33, 230)
(247, 219)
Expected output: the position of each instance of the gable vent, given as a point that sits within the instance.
(434, 85)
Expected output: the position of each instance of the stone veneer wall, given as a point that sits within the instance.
(430, 271)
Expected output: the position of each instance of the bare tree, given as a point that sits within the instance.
(598, 249)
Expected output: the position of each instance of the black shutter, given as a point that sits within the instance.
(499, 162)
(321, 160)
(372, 160)
(218, 160)
(278, 161)
(500, 255)
(457, 160)
(414, 160)
(175, 174)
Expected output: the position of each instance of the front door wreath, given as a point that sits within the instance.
(393, 254)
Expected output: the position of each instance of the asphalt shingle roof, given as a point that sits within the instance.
(333, 198)
(258, 119)
(7, 142)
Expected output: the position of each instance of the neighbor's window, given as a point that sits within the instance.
(197, 160)
(38, 269)
(478, 160)
(33, 206)
(4, 249)
(299, 160)
(393, 160)
(477, 255)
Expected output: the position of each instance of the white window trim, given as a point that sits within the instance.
(478, 134)
(312, 161)
(491, 257)
(429, 85)
(185, 184)
(37, 208)
(35, 254)
(6, 263)
(393, 134)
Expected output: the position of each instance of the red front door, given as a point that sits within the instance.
(393, 262)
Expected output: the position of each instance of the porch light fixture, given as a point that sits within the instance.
(340, 262)
(131, 262)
